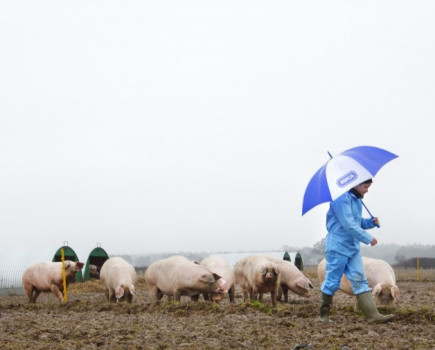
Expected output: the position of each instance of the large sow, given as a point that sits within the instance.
(118, 278)
(256, 274)
(176, 276)
(47, 277)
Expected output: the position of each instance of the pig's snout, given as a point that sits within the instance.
(222, 284)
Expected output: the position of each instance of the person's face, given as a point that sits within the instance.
(362, 189)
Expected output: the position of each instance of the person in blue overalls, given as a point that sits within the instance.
(346, 229)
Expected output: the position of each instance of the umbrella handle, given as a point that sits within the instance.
(368, 211)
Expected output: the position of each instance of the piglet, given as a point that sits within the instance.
(118, 278)
(47, 276)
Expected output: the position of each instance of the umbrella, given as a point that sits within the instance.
(342, 172)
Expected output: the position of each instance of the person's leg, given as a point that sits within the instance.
(335, 265)
(355, 273)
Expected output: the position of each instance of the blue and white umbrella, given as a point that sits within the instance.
(342, 172)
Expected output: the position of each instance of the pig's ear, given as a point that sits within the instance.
(132, 290)
(263, 269)
(216, 276)
(79, 265)
(376, 290)
(309, 283)
(276, 268)
(300, 282)
(67, 264)
(395, 292)
(119, 292)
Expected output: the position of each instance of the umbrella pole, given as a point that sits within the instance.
(368, 211)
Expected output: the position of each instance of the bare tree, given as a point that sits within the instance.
(319, 247)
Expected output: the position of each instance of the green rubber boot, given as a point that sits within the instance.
(325, 307)
(367, 305)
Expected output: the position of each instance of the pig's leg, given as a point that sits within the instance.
(245, 295)
(129, 298)
(285, 292)
(231, 294)
(159, 295)
(206, 296)
(253, 294)
(194, 297)
(35, 295)
(56, 291)
(29, 292)
(273, 295)
(155, 293)
(112, 296)
(106, 293)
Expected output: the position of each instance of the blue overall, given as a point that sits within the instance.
(345, 232)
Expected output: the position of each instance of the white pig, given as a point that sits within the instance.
(291, 278)
(380, 276)
(176, 276)
(47, 276)
(117, 278)
(94, 272)
(226, 283)
(256, 274)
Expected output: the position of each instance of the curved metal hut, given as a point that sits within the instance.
(96, 259)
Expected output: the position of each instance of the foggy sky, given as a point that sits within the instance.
(154, 126)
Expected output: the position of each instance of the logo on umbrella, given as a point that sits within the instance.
(347, 178)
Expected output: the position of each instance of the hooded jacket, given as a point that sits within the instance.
(346, 226)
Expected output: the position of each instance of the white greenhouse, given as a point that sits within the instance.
(13, 263)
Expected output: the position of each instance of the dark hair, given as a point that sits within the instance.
(369, 181)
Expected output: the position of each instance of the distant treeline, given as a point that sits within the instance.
(424, 263)
(391, 253)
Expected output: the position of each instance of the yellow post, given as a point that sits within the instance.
(63, 275)
(418, 269)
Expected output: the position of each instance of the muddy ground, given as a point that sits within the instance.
(88, 321)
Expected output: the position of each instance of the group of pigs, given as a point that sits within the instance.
(213, 278)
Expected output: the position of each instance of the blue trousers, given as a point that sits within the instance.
(336, 265)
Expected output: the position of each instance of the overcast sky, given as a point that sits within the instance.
(159, 126)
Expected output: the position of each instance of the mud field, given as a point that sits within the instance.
(88, 321)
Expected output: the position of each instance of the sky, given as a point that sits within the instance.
(168, 125)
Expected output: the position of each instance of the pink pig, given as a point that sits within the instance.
(380, 276)
(47, 276)
(256, 274)
(292, 278)
(176, 276)
(226, 283)
(117, 278)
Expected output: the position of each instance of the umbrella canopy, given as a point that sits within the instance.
(342, 172)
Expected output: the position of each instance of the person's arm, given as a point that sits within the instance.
(367, 224)
(343, 212)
